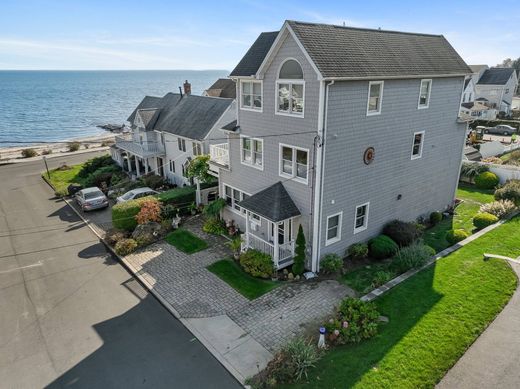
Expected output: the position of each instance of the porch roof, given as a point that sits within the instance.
(273, 203)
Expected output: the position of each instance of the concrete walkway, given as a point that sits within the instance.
(493, 360)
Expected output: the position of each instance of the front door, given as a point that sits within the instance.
(284, 231)
(160, 168)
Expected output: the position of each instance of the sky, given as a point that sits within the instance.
(199, 35)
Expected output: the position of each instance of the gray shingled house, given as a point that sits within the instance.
(168, 131)
(340, 130)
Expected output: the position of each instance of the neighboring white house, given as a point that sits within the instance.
(497, 86)
(167, 132)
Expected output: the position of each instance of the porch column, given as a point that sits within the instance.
(129, 163)
(145, 165)
(247, 228)
(138, 172)
(276, 253)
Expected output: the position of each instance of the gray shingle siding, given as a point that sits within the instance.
(426, 184)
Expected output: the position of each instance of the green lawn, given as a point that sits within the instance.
(361, 279)
(61, 179)
(463, 218)
(185, 241)
(247, 285)
(433, 318)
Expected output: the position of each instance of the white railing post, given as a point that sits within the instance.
(276, 253)
(247, 228)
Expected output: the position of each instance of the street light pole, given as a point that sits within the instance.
(46, 167)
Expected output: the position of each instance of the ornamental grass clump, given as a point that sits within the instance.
(125, 246)
(509, 191)
(499, 208)
(411, 257)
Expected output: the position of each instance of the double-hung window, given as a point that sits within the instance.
(251, 95)
(417, 146)
(375, 97)
(172, 165)
(252, 152)
(294, 162)
(233, 196)
(181, 143)
(290, 88)
(361, 218)
(424, 94)
(197, 150)
(333, 228)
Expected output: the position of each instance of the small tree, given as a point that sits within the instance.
(199, 169)
(150, 212)
(299, 258)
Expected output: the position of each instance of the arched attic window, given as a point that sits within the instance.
(291, 88)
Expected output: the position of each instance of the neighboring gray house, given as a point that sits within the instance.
(168, 131)
(223, 87)
(497, 86)
(339, 134)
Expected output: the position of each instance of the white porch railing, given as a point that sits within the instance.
(285, 251)
(141, 150)
(219, 154)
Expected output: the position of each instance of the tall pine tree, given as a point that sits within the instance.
(299, 258)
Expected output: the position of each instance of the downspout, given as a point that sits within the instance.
(318, 182)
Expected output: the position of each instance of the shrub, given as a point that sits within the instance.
(113, 236)
(47, 152)
(509, 191)
(486, 180)
(299, 258)
(484, 219)
(168, 212)
(153, 181)
(381, 277)
(74, 146)
(123, 214)
(357, 251)
(180, 197)
(470, 170)
(331, 263)
(213, 209)
(256, 263)
(150, 211)
(382, 247)
(29, 153)
(103, 174)
(455, 236)
(435, 217)
(411, 257)
(494, 160)
(125, 246)
(94, 164)
(403, 233)
(214, 226)
(355, 320)
(499, 208)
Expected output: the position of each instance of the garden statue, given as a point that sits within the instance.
(176, 221)
(321, 340)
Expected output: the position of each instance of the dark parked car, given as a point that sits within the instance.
(501, 129)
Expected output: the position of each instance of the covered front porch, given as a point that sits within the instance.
(272, 219)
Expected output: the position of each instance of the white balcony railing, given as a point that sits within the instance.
(219, 154)
(144, 150)
(285, 251)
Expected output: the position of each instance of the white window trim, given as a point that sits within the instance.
(261, 109)
(242, 137)
(378, 112)
(289, 81)
(365, 225)
(422, 145)
(293, 176)
(337, 238)
(427, 105)
(230, 207)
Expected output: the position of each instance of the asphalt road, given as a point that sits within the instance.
(70, 316)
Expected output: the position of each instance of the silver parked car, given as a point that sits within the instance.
(136, 194)
(501, 129)
(91, 198)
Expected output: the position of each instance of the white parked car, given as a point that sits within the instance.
(136, 194)
(91, 198)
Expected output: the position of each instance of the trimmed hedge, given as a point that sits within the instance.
(483, 219)
(382, 247)
(123, 214)
(180, 197)
(455, 236)
(486, 180)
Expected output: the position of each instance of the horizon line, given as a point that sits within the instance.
(113, 70)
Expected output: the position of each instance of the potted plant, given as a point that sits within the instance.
(235, 245)
(193, 208)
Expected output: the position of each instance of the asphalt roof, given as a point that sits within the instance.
(273, 203)
(496, 76)
(223, 87)
(254, 57)
(340, 51)
(231, 126)
(188, 116)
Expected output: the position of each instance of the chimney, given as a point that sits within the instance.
(187, 88)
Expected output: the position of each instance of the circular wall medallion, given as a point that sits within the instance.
(369, 155)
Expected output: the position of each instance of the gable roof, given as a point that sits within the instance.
(273, 203)
(348, 52)
(254, 57)
(223, 87)
(496, 76)
(477, 68)
(188, 116)
(231, 126)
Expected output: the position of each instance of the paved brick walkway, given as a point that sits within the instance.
(194, 292)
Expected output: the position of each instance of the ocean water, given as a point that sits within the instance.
(38, 106)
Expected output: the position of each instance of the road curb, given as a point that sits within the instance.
(135, 273)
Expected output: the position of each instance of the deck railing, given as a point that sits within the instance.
(145, 149)
(285, 251)
(219, 154)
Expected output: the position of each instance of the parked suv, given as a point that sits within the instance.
(501, 129)
(136, 194)
(91, 198)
